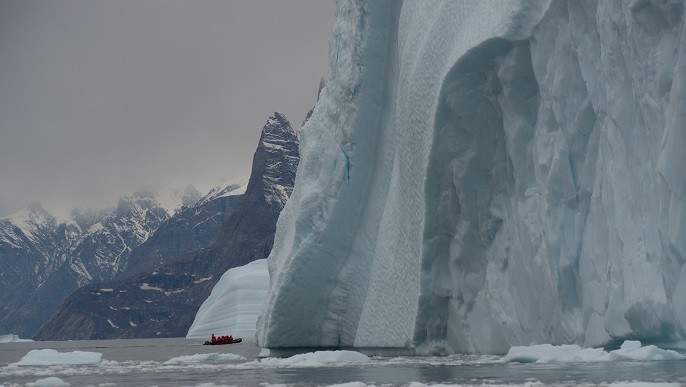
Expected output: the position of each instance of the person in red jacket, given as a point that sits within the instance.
(230, 339)
(214, 339)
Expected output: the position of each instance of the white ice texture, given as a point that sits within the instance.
(314, 359)
(47, 357)
(48, 382)
(572, 353)
(205, 357)
(234, 304)
(485, 174)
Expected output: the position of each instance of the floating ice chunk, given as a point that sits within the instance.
(48, 382)
(205, 357)
(546, 353)
(12, 339)
(46, 357)
(315, 359)
(632, 350)
(264, 352)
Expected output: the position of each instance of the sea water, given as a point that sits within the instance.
(183, 362)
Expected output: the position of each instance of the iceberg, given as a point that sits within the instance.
(12, 338)
(48, 357)
(51, 381)
(234, 304)
(482, 175)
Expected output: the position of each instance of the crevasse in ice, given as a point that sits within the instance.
(481, 175)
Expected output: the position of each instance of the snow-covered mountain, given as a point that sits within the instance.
(44, 257)
(484, 174)
(163, 301)
(191, 228)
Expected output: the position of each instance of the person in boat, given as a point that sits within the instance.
(230, 339)
(214, 339)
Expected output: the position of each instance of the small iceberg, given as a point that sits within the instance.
(547, 353)
(49, 357)
(48, 382)
(12, 339)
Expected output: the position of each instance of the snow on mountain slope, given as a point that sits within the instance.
(478, 175)
(231, 187)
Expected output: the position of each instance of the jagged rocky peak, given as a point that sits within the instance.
(278, 146)
(276, 124)
(31, 218)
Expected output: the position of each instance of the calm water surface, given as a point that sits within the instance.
(144, 362)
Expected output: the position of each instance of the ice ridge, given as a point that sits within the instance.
(481, 175)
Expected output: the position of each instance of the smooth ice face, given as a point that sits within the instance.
(481, 175)
(234, 304)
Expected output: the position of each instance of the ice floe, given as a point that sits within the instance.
(313, 359)
(630, 350)
(47, 357)
(48, 382)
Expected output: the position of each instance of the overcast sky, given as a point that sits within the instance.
(99, 97)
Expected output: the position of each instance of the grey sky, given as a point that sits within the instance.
(98, 97)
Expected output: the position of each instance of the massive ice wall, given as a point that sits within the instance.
(478, 175)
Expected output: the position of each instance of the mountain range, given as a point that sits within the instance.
(44, 257)
(159, 297)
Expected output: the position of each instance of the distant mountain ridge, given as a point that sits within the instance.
(162, 302)
(44, 257)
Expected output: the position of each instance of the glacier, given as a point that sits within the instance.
(482, 175)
